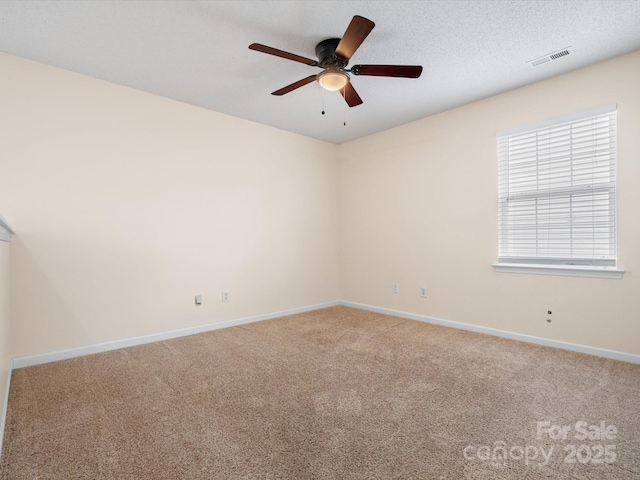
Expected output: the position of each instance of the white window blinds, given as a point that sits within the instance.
(557, 191)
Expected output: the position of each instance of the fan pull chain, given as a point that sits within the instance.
(323, 101)
(344, 112)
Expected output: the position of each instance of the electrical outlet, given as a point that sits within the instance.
(226, 296)
(395, 288)
(423, 292)
(198, 300)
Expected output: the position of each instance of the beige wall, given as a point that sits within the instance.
(126, 205)
(418, 207)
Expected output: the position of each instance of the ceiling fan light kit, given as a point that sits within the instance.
(333, 57)
(333, 80)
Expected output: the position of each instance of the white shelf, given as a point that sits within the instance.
(5, 230)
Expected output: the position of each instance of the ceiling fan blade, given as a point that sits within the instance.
(293, 86)
(353, 37)
(282, 54)
(350, 95)
(406, 71)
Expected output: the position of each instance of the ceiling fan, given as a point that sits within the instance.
(333, 57)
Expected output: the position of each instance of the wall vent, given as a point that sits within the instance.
(550, 57)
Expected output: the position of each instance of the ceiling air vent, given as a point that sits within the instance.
(550, 57)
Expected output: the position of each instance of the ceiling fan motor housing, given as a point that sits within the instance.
(325, 51)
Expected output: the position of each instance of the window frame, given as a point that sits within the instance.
(553, 264)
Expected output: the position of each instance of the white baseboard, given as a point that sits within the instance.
(548, 342)
(5, 404)
(38, 359)
(31, 360)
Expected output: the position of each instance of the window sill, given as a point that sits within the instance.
(565, 270)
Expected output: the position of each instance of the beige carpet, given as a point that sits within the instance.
(332, 394)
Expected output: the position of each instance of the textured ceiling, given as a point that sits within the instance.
(196, 52)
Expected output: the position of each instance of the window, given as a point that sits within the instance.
(557, 194)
